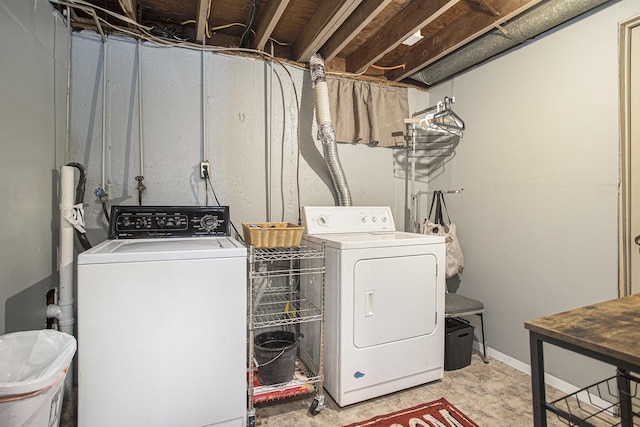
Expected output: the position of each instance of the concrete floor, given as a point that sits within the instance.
(493, 394)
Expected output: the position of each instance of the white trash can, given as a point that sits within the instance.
(33, 366)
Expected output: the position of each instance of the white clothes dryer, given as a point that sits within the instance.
(384, 302)
(162, 321)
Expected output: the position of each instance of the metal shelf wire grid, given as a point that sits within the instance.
(428, 144)
(283, 307)
(275, 299)
(286, 272)
(598, 405)
(285, 254)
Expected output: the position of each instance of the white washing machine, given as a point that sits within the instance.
(162, 321)
(384, 302)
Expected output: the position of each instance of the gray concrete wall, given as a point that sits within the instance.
(237, 105)
(539, 165)
(33, 76)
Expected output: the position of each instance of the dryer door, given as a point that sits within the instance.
(395, 299)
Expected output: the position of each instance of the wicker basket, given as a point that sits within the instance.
(272, 234)
(458, 343)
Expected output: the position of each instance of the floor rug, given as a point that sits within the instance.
(438, 413)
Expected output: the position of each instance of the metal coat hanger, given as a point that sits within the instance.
(447, 120)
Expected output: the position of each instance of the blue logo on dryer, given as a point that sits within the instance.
(358, 375)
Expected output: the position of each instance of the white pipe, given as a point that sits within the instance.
(140, 128)
(65, 286)
(65, 316)
(104, 112)
(415, 223)
(321, 92)
(205, 148)
(68, 95)
(54, 312)
(269, 124)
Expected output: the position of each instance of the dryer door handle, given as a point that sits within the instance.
(368, 303)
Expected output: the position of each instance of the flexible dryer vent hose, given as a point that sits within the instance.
(326, 134)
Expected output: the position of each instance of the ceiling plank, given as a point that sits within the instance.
(359, 19)
(129, 8)
(418, 14)
(467, 28)
(327, 19)
(485, 6)
(201, 20)
(272, 15)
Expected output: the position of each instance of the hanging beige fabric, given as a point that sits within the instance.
(366, 112)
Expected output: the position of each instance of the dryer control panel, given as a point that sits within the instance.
(347, 219)
(144, 222)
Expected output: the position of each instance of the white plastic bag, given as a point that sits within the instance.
(33, 366)
(32, 360)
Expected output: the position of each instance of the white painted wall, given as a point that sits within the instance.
(33, 79)
(237, 98)
(539, 165)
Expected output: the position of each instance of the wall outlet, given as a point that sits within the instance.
(205, 166)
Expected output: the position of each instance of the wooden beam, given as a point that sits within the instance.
(129, 8)
(418, 14)
(359, 19)
(271, 17)
(485, 6)
(324, 22)
(462, 31)
(201, 20)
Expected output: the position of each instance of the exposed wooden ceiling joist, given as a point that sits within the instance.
(328, 18)
(351, 35)
(201, 20)
(418, 14)
(362, 16)
(486, 6)
(273, 13)
(129, 8)
(467, 28)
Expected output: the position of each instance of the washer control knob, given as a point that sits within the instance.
(323, 220)
(374, 219)
(383, 219)
(209, 222)
(364, 219)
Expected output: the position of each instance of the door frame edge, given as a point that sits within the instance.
(624, 194)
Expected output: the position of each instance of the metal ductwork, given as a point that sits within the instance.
(524, 27)
(326, 134)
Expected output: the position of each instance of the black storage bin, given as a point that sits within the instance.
(458, 344)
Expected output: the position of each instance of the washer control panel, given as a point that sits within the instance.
(347, 219)
(144, 222)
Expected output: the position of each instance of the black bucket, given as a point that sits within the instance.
(275, 354)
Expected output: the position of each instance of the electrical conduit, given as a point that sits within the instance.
(104, 114)
(140, 178)
(326, 134)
